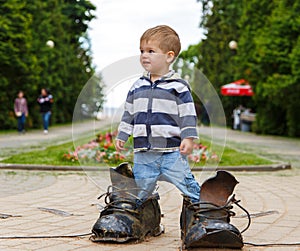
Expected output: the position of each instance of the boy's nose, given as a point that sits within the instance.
(144, 55)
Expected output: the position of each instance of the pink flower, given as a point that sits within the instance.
(108, 137)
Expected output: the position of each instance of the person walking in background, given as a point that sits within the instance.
(45, 101)
(21, 111)
(236, 114)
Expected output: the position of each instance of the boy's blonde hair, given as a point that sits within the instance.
(168, 38)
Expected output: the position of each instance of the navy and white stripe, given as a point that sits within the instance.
(158, 115)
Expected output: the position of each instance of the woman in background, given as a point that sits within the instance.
(21, 111)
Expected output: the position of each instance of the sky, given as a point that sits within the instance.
(116, 31)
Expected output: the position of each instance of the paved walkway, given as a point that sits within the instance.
(272, 147)
(272, 198)
(12, 143)
(274, 195)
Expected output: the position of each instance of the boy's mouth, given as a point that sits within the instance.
(146, 64)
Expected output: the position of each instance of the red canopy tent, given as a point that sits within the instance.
(239, 87)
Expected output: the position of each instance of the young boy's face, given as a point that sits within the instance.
(153, 59)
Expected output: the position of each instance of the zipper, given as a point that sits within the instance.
(149, 111)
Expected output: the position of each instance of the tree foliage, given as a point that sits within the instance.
(268, 56)
(28, 64)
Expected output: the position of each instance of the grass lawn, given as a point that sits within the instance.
(53, 155)
(232, 157)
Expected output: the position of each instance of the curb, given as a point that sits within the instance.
(32, 167)
(253, 168)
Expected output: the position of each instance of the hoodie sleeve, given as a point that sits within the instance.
(187, 114)
(126, 126)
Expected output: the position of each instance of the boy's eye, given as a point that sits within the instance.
(149, 51)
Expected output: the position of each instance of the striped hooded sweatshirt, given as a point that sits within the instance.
(158, 114)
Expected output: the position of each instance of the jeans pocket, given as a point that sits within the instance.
(183, 160)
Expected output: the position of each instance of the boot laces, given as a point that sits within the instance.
(200, 208)
(128, 202)
(115, 202)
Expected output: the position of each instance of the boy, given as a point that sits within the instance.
(160, 113)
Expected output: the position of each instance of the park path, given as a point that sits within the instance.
(272, 197)
(13, 143)
(276, 148)
(272, 147)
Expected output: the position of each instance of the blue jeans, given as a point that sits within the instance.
(149, 167)
(46, 118)
(21, 122)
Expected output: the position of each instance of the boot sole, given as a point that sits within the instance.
(218, 239)
(108, 238)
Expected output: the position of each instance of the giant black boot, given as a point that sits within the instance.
(207, 223)
(125, 217)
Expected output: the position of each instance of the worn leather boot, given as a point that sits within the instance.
(207, 223)
(124, 217)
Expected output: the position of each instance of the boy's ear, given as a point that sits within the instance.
(170, 56)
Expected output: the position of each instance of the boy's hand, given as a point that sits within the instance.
(186, 146)
(120, 145)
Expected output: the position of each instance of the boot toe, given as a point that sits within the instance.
(215, 234)
(116, 227)
(218, 239)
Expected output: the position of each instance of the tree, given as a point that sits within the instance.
(16, 59)
(65, 68)
(268, 52)
(29, 64)
(267, 33)
(212, 55)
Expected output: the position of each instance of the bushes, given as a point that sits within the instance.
(28, 64)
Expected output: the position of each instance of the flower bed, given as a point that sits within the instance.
(201, 153)
(102, 150)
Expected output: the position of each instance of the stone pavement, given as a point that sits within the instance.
(272, 198)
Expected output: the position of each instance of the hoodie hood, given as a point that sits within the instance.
(169, 77)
